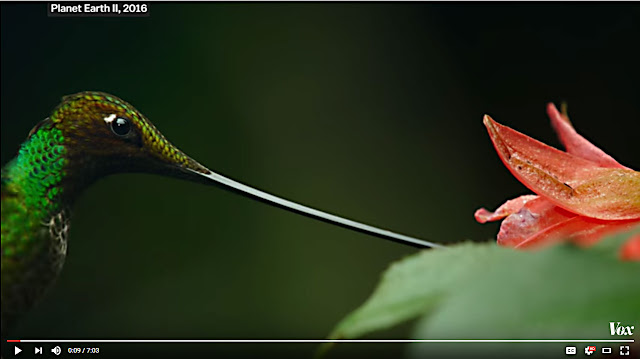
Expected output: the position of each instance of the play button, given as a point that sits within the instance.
(16, 350)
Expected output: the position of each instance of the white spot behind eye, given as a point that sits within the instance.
(110, 118)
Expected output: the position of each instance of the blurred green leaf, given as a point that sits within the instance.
(482, 291)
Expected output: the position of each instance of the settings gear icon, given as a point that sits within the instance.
(589, 349)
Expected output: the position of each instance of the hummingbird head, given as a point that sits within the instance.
(105, 135)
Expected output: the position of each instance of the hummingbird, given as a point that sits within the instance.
(88, 136)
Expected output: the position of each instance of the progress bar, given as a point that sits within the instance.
(321, 341)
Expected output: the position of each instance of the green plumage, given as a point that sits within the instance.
(38, 171)
(34, 223)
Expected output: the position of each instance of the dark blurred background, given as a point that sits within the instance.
(370, 111)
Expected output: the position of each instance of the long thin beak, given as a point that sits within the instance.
(201, 174)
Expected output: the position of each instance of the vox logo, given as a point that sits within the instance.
(617, 329)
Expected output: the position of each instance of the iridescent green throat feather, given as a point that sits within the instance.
(34, 220)
(38, 170)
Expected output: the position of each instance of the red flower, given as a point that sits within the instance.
(583, 194)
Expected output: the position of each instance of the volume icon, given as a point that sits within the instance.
(56, 350)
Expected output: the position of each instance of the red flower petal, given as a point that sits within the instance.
(581, 230)
(509, 207)
(573, 183)
(540, 222)
(533, 224)
(575, 143)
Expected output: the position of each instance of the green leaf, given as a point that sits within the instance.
(482, 291)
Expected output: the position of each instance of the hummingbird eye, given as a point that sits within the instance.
(121, 126)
